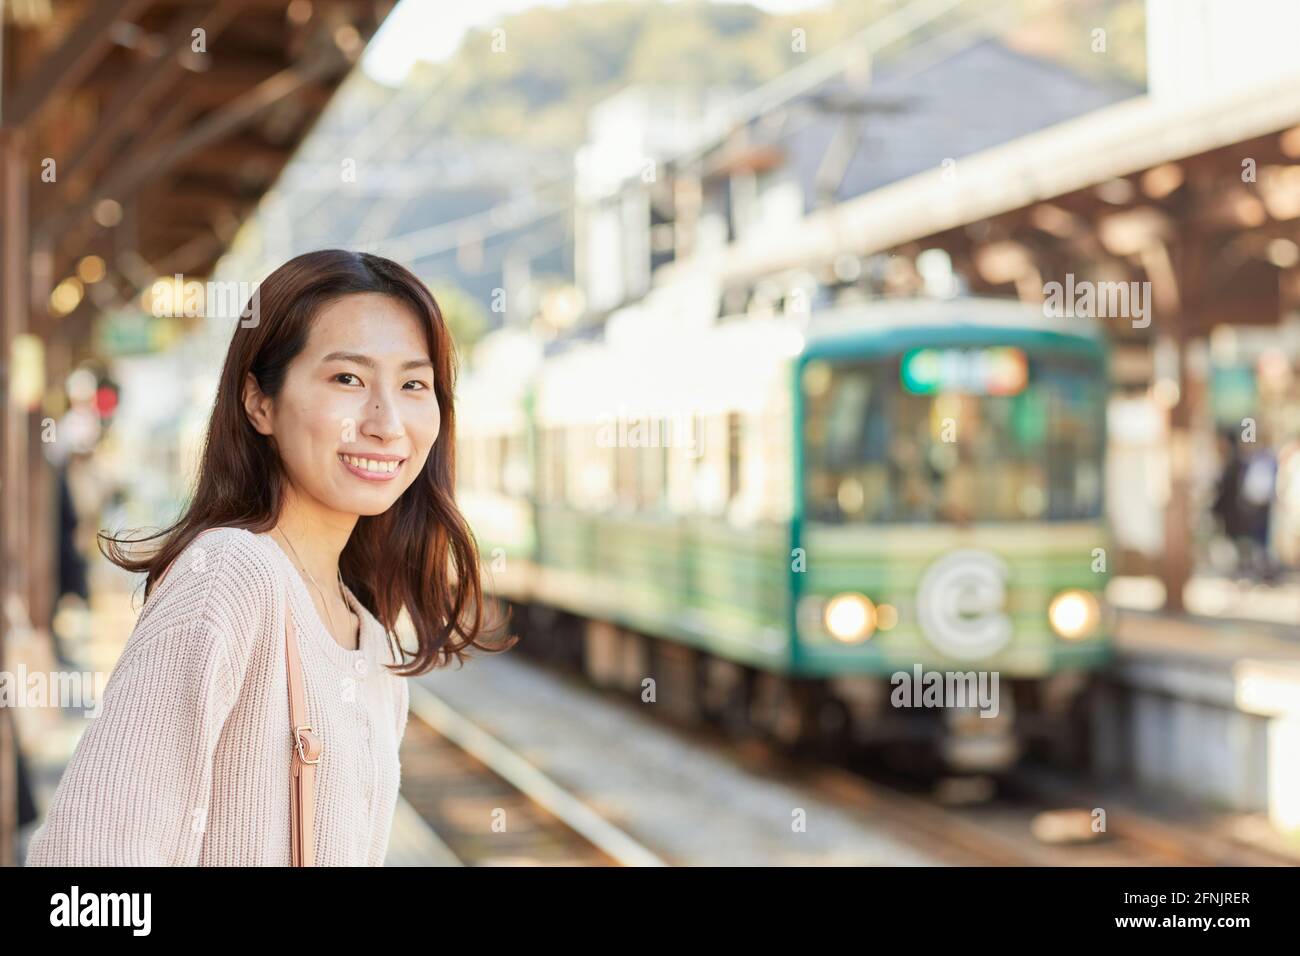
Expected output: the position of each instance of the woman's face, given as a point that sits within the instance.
(357, 414)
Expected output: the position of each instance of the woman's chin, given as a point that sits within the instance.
(370, 506)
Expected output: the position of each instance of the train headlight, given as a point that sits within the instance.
(850, 617)
(1074, 614)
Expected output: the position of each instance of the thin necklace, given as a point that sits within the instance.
(324, 603)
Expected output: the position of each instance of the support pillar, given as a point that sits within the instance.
(14, 304)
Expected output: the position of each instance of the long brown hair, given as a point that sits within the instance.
(420, 554)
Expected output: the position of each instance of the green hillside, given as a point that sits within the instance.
(535, 79)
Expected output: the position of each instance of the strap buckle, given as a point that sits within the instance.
(297, 736)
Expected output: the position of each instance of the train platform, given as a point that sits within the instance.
(1220, 605)
(1154, 635)
(1206, 708)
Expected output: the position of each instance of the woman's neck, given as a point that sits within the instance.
(317, 535)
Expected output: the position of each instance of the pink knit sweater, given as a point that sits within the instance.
(188, 762)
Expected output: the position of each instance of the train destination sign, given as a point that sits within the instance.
(1001, 370)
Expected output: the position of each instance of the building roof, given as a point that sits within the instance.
(922, 112)
(1118, 140)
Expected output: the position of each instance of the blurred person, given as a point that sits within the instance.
(324, 497)
(90, 488)
(1258, 484)
(72, 590)
(1227, 504)
(72, 565)
(26, 801)
(78, 431)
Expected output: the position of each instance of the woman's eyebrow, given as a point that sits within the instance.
(368, 362)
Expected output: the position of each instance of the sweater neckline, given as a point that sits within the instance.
(324, 639)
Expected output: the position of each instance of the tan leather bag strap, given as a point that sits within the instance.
(306, 755)
(307, 747)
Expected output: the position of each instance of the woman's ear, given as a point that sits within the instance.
(257, 405)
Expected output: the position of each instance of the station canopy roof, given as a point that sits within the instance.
(154, 127)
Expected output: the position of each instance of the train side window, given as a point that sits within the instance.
(560, 463)
(600, 492)
(735, 440)
(626, 479)
(777, 459)
(501, 449)
(676, 501)
(555, 462)
(577, 464)
(543, 463)
(709, 478)
(580, 460)
(516, 475)
(681, 450)
(576, 450)
(653, 462)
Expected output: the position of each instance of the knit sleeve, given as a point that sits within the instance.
(136, 790)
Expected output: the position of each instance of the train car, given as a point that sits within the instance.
(879, 526)
(494, 457)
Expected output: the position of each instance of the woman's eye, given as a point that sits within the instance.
(349, 378)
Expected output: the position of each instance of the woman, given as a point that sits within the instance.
(324, 492)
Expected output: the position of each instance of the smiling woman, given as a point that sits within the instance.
(358, 402)
(329, 462)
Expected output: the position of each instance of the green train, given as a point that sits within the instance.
(880, 525)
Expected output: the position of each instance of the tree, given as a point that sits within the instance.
(465, 316)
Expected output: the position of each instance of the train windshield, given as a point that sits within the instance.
(955, 435)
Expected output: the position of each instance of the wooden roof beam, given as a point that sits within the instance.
(130, 177)
(182, 211)
(65, 68)
(230, 76)
(202, 249)
(130, 106)
(238, 156)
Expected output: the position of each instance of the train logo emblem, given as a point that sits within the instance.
(960, 601)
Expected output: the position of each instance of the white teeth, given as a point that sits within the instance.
(366, 464)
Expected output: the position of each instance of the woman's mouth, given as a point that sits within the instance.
(372, 469)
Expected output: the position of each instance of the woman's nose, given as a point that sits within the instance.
(381, 419)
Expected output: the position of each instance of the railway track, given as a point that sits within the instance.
(1197, 842)
(491, 807)
(1000, 830)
